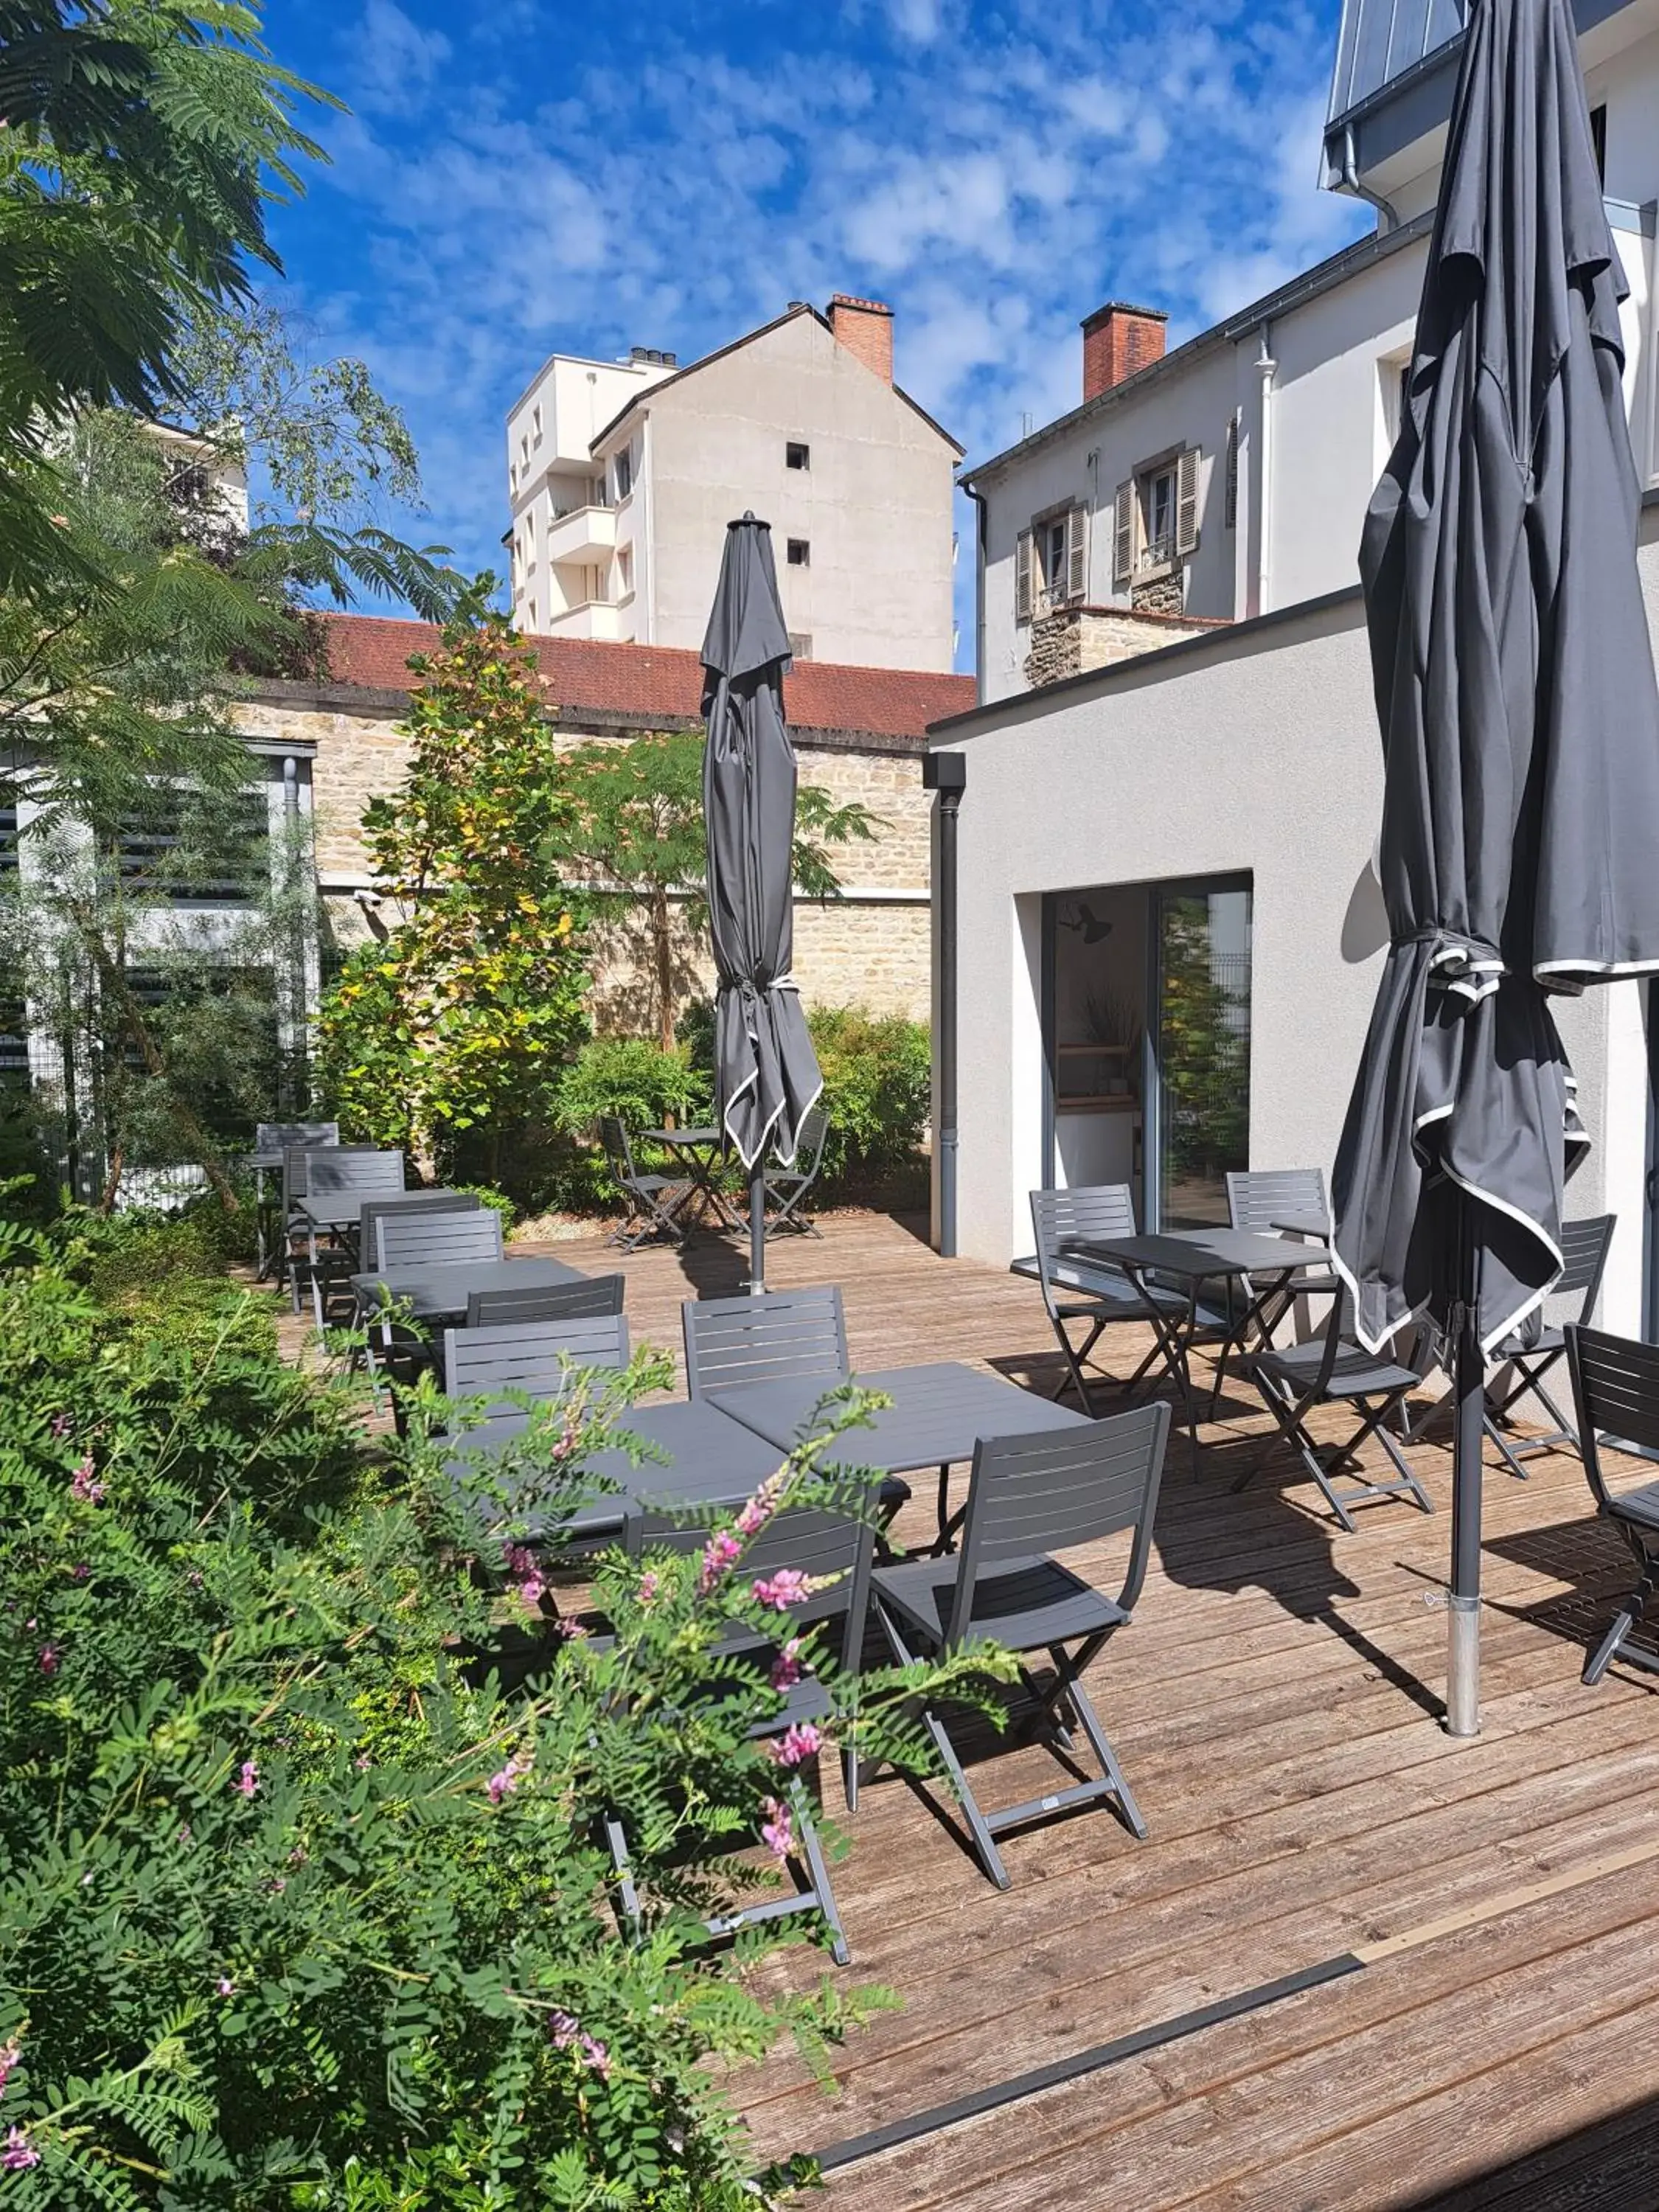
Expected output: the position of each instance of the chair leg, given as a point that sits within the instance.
(627, 1897)
(817, 1868)
(1626, 1619)
(984, 1841)
(1103, 1750)
(1496, 1436)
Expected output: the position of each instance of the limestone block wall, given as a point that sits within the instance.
(872, 946)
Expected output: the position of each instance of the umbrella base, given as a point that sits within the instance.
(1463, 1667)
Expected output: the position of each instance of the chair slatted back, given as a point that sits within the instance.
(1584, 1246)
(817, 1543)
(1615, 1389)
(430, 1238)
(594, 1295)
(777, 1337)
(303, 1136)
(296, 1166)
(411, 1202)
(1257, 1198)
(338, 1170)
(1050, 1491)
(536, 1357)
(809, 1141)
(618, 1149)
(1092, 1210)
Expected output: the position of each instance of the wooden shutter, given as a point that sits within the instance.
(1186, 501)
(1123, 534)
(1023, 577)
(1229, 503)
(1077, 553)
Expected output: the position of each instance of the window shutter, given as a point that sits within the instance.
(1229, 502)
(1023, 577)
(1077, 553)
(1186, 501)
(1123, 534)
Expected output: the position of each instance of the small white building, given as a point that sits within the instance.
(623, 475)
(1169, 928)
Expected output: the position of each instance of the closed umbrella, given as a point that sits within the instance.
(766, 1073)
(1520, 720)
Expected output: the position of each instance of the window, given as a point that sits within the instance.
(524, 452)
(536, 420)
(177, 851)
(625, 570)
(1599, 141)
(797, 456)
(1051, 562)
(1394, 374)
(623, 467)
(531, 623)
(798, 553)
(801, 644)
(1155, 517)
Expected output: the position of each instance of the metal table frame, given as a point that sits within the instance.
(698, 1151)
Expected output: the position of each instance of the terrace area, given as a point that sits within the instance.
(1485, 1911)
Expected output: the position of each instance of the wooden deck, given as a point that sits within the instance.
(1276, 1706)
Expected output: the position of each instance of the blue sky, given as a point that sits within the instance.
(531, 176)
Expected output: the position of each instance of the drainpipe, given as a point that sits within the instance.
(1266, 368)
(947, 774)
(297, 1008)
(1348, 181)
(978, 498)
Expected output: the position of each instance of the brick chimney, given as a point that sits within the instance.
(1117, 340)
(865, 327)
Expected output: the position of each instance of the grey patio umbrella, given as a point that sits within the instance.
(1515, 686)
(766, 1073)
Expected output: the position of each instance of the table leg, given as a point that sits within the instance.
(1175, 1342)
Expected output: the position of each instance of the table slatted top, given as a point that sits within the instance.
(939, 1413)
(433, 1292)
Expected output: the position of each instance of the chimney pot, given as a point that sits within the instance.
(1118, 341)
(865, 327)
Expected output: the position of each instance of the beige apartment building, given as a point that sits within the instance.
(623, 475)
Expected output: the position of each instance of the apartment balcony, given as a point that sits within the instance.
(591, 618)
(585, 535)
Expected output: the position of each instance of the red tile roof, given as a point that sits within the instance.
(652, 683)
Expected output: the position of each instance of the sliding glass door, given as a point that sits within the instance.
(1201, 1041)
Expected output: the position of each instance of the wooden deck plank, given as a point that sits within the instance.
(1275, 1704)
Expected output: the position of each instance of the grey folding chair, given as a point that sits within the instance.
(1615, 1389)
(1029, 1497)
(595, 1294)
(1075, 1289)
(1333, 1369)
(654, 1202)
(780, 1336)
(401, 1351)
(787, 1190)
(537, 1357)
(1529, 1359)
(277, 1137)
(430, 1238)
(829, 1548)
(1262, 1201)
(367, 1171)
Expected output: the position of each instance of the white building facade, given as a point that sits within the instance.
(1169, 930)
(623, 476)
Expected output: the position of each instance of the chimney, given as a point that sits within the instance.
(865, 327)
(1117, 340)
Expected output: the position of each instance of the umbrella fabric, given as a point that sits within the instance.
(1516, 691)
(765, 1072)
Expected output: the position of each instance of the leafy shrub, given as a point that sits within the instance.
(632, 1079)
(496, 1200)
(301, 1908)
(876, 1075)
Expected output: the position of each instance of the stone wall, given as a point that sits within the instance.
(872, 946)
(1072, 639)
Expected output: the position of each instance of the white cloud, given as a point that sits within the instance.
(396, 60)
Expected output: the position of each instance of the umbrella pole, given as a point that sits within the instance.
(1470, 1382)
(758, 1226)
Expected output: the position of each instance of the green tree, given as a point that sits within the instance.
(635, 827)
(1205, 1049)
(465, 1011)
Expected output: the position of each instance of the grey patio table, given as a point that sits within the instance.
(1192, 1257)
(939, 1413)
(698, 1150)
(441, 1293)
(711, 1461)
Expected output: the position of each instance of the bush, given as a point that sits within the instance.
(876, 1075)
(302, 1910)
(632, 1079)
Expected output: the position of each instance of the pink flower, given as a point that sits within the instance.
(762, 1505)
(19, 2153)
(572, 1631)
(524, 1565)
(79, 1572)
(225, 1986)
(61, 1424)
(567, 2033)
(720, 1554)
(49, 1660)
(86, 1488)
(786, 1588)
(800, 1741)
(595, 2054)
(247, 1784)
(362, 1762)
(185, 1834)
(777, 1834)
(563, 2027)
(650, 1587)
(786, 1667)
(10, 2054)
(505, 1783)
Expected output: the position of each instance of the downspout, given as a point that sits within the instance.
(645, 585)
(297, 992)
(1348, 181)
(947, 774)
(978, 498)
(1266, 368)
